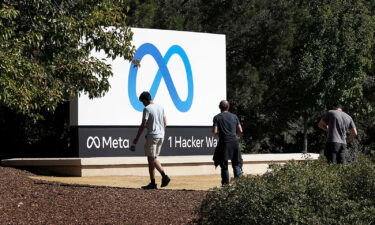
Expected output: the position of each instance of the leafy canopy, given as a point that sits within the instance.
(45, 50)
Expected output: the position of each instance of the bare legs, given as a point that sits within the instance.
(153, 163)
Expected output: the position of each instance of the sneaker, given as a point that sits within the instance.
(150, 186)
(165, 181)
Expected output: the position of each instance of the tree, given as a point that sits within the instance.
(304, 55)
(332, 63)
(45, 50)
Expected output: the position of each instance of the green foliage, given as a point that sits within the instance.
(296, 193)
(288, 60)
(45, 50)
(169, 14)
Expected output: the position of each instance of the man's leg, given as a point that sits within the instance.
(151, 168)
(148, 148)
(224, 172)
(158, 166)
(149, 152)
(236, 160)
(341, 156)
(158, 142)
(237, 169)
(329, 153)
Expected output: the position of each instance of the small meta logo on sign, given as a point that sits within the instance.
(94, 142)
(163, 72)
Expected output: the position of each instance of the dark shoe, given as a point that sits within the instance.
(150, 186)
(165, 181)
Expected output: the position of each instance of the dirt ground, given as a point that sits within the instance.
(26, 200)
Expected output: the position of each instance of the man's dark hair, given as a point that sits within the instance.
(337, 105)
(145, 96)
(224, 105)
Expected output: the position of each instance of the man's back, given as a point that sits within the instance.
(154, 114)
(338, 123)
(227, 124)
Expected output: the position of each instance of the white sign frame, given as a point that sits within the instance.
(206, 54)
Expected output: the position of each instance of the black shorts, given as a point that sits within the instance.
(335, 152)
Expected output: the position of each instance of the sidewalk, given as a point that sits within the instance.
(177, 183)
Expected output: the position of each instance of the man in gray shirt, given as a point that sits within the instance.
(155, 121)
(337, 123)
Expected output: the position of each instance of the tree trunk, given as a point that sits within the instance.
(304, 134)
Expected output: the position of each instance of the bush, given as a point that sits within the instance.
(296, 193)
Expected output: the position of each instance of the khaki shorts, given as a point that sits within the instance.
(153, 146)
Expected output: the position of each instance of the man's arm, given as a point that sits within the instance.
(239, 129)
(352, 135)
(323, 125)
(214, 130)
(140, 130)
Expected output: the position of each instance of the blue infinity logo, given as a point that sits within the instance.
(163, 72)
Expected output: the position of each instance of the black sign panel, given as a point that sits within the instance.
(116, 141)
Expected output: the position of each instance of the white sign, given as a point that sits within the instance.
(185, 72)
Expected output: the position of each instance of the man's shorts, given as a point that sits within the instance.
(153, 146)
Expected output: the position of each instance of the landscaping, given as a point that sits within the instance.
(28, 201)
(312, 192)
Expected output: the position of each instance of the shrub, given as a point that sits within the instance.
(311, 192)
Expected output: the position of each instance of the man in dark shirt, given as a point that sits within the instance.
(227, 126)
(337, 123)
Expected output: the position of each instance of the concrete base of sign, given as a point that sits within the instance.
(125, 166)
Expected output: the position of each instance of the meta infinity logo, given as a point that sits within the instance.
(163, 72)
(93, 141)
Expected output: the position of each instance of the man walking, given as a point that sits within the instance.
(337, 123)
(227, 126)
(155, 121)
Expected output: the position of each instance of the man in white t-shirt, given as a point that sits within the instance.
(155, 121)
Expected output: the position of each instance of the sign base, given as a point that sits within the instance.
(116, 141)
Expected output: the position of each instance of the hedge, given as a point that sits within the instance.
(311, 192)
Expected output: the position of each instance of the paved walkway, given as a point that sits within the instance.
(177, 182)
